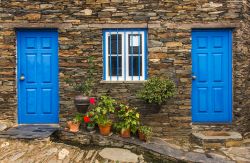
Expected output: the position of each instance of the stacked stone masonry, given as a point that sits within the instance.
(169, 24)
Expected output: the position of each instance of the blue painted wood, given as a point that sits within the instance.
(212, 66)
(146, 55)
(37, 51)
(104, 55)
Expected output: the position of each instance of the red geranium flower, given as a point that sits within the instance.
(86, 119)
(92, 100)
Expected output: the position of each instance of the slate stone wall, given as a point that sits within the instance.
(169, 24)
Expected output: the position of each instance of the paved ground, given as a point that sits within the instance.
(32, 151)
(46, 151)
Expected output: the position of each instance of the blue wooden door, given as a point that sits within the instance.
(37, 76)
(212, 76)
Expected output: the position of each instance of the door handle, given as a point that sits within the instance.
(194, 77)
(22, 77)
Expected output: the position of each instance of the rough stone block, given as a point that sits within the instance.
(33, 16)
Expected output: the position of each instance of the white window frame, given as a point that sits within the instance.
(125, 55)
(114, 78)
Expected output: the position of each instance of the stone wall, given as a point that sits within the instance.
(243, 108)
(169, 24)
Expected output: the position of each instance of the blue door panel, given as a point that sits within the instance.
(38, 63)
(211, 65)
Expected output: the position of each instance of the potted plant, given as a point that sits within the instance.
(75, 124)
(84, 87)
(157, 91)
(101, 114)
(128, 120)
(90, 125)
(145, 133)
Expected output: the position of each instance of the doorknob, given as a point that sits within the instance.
(193, 77)
(22, 77)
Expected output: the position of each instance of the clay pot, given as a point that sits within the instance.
(105, 129)
(82, 103)
(125, 133)
(73, 127)
(142, 137)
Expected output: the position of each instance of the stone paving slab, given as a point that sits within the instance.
(29, 132)
(239, 154)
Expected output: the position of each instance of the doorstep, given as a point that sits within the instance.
(29, 132)
(217, 139)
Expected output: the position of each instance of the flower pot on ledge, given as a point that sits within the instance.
(125, 133)
(73, 127)
(105, 129)
(142, 136)
(82, 103)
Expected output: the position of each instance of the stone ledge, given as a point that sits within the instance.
(37, 25)
(125, 82)
(132, 25)
(156, 148)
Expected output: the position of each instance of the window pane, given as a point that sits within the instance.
(114, 46)
(115, 68)
(134, 43)
(135, 65)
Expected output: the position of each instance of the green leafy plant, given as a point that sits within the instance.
(146, 131)
(157, 90)
(128, 118)
(86, 84)
(77, 119)
(101, 113)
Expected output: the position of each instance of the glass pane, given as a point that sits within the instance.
(115, 68)
(134, 43)
(114, 46)
(135, 63)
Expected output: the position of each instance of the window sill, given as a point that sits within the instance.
(123, 82)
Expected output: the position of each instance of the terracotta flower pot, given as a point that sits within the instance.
(105, 129)
(73, 127)
(82, 103)
(125, 133)
(142, 136)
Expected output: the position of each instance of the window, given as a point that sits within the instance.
(125, 54)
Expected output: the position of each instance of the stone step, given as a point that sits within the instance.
(217, 139)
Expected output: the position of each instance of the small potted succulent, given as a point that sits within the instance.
(83, 87)
(75, 124)
(128, 120)
(145, 133)
(101, 114)
(157, 91)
